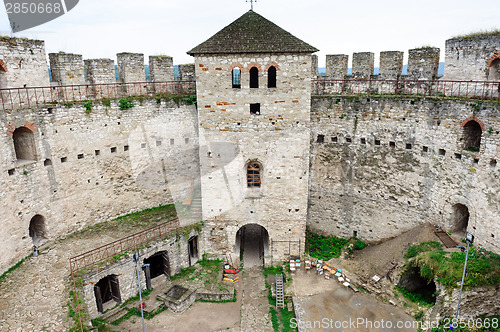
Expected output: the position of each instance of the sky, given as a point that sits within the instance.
(100, 29)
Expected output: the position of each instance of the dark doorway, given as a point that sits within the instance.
(472, 136)
(460, 218)
(252, 243)
(254, 77)
(159, 264)
(24, 144)
(37, 230)
(107, 290)
(193, 250)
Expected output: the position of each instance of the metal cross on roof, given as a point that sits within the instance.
(251, 3)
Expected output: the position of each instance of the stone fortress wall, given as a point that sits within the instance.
(67, 153)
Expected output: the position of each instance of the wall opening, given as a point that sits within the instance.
(460, 218)
(159, 264)
(254, 77)
(271, 77)
(193, 250)
(252, 243)
(24, 144)
(107, 292)
(37, 229)
(255, 109)
(472, 136)
(494, 72)
(420, 288)
(236, 74)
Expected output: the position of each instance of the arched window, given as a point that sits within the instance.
(254, 77)
(253, 175)
(271, 77)
(24, 144)
(236, 78)
(472, 136)
(37, 230)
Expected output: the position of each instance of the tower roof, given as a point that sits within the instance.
(252, 33)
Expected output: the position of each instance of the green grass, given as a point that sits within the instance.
(483, 267)
(323, 247)
(185, 271)
(12, 268)
(482, 33)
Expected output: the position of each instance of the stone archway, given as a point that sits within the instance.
(37, 230)
(459, 218)
(252, 243)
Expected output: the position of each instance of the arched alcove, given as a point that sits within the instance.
(24, 144)
(472, 136)
(37, 229)
(460, 218)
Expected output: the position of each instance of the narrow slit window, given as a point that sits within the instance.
(236, 78)
(254, 77)
(253, 175)
(271, 77)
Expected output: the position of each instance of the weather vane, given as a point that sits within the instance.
(251, 3)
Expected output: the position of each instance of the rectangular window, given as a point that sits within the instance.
(236, 73)
(255, 109)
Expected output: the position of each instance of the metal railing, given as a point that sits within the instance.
(14, 98)
(424, 88)
(119, 246)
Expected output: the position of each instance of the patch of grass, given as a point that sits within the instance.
(274, 319)
(185, 271)
(414, 250)
(125, 104)
(483, 267)
(12, 268)
(476, 34)
(88, 107)
(359, 245)
(323, 247)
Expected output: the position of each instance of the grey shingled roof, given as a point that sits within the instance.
(252, 33)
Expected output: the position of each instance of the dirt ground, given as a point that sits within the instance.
(368, 261)
(326, 305)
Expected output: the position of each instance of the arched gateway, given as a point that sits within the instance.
(252, 243)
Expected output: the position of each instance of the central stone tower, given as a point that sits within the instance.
(254, 98)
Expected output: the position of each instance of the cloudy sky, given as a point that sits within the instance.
(102, 28)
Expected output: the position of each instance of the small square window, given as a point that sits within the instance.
(408, 146)
(377, 142)
(348, 139)
(255, 109)
(47, 162)
(11, 171)
(125, 148)
(458, 156)
(80, 156)
(143, 145)
(476, 161)
(493, 163)
(392, 144)
(320, 139)
(172, 141)
(363, 141)
(158, 143)
(97, 152)
(425, 149)
(113, 149)
(334, 139)
(64, 159)
(442, 152)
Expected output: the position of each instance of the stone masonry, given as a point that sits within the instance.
(187, 72)
(161, 68)
(391, 65)
(423, 63)
(98, 71)
(66, 68)
(336, 66)
(24, 63)
(363, 64)
(131, 67)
